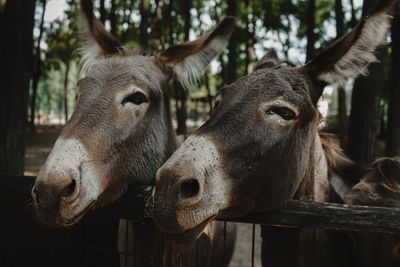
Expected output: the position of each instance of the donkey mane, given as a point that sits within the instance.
(338, 162)
(331, 148)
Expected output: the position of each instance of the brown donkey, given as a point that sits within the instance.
(261, 146)
(121, 130)
(377, 184)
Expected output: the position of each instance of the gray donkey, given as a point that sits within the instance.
(121, 132)
(261, 147)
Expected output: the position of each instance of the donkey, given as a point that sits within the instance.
(261, 146)
(377, 184)
(121, 129)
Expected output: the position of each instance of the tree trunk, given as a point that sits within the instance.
(232, 46)
(223, 72)
(125, 19)
(103, 12)
(16, 31)
(37, 69)
(158, 26)
(187, 5)
(181, 112)
(209, 96)
(113, 18)
(342, 110)
(168, 18)
(66, 80)
(250, 38)
(310, 29)
(126, 34)
(353, 21)
(393, 130)
(35, 83)
(144, 23)
(364, 119)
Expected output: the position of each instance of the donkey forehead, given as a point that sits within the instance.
(285, 81)
(288, 84)
(117, 71)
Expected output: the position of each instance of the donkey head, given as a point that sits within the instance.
(260, 142)
(377, 185)
(120, 132)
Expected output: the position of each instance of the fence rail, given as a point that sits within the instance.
(15, 195)
(94, 241)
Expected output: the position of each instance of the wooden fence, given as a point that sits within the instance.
(20, 234)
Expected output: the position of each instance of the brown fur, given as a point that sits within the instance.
(263, 141)
(119, 134)
(378, 184)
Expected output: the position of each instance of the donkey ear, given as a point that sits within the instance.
(188, 61)
(389, 169)
(350, 56)
(344, 174)
(95, 39)
(269, 60)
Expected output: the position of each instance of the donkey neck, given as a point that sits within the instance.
(155, 141)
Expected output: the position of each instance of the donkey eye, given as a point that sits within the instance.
(135, 98)
(284, 113)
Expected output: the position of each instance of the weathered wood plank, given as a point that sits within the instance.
(329, 216)
(26, 242)
(15, 194)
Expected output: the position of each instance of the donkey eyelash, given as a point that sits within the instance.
(136, 98)
(283, 112)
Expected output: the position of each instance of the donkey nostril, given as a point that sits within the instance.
(190, 188)
(69, 189)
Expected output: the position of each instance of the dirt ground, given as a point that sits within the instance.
(39, 146)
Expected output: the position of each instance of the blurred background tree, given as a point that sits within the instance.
(365, 113)
(16, 27)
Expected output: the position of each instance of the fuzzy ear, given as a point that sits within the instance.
(188, 61)
(96, 41)
(269, 60)
(350, 56)
(344, 174)
(389, 170)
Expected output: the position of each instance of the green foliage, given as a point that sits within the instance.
(62, 38)
(284, 19)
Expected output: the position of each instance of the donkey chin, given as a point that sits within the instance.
(63, 214)
(182, 228)
(61, 211)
